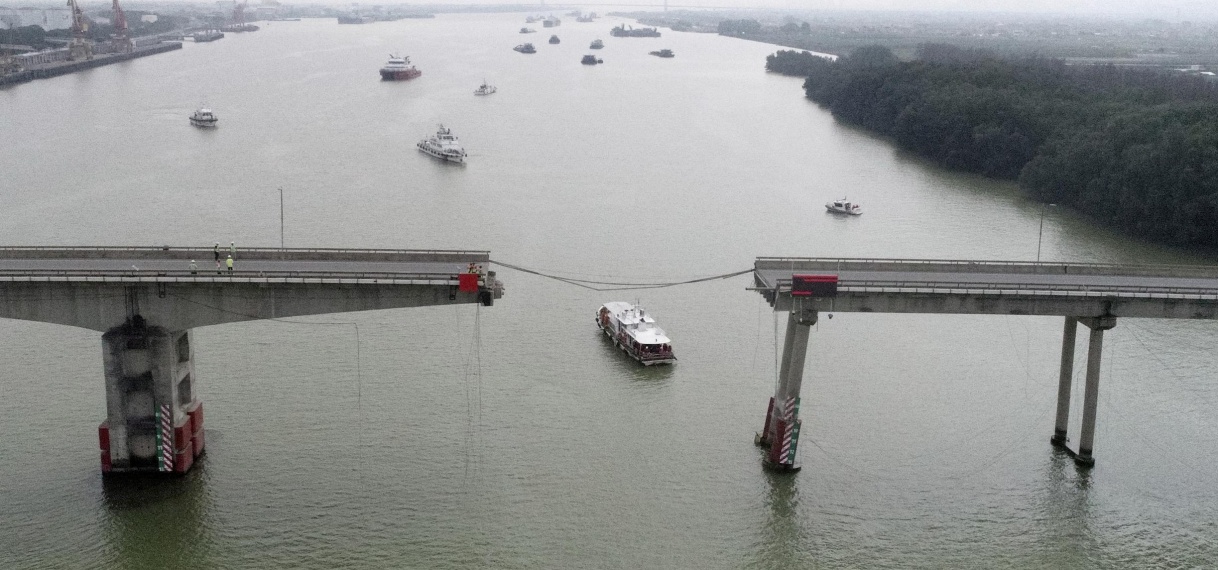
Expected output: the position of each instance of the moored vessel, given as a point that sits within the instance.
(525, 48)
(399, 68)
(843, 207)
(555, 40)
(204, 117)
(443, 145)
(596, 44)
(635, 332)
(527, 30)
(623, 31)
(485, 89)
(591, 60)
(663, 53)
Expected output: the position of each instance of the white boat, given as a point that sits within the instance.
(635, 332)
(203, 117)
(843, 207)
(485, 89)
(443, 145)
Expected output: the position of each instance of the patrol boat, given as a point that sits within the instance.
(635, 332)
(843, 207)
(443, 145)
(203, 117)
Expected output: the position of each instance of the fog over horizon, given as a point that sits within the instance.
(1170, 10)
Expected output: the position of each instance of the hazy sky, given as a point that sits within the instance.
(1172, 10)
(1167, 9)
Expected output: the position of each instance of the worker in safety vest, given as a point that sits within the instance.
(229, 263)
(194, 267)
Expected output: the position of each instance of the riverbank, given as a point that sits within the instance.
(63, 68)
(1131, 149)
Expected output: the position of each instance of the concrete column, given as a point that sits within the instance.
(153, 417)
(1069, 335)
(1092, 395)
(781, 434)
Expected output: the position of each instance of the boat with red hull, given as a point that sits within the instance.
(398, 69)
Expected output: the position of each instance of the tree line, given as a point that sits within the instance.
(1132, 148)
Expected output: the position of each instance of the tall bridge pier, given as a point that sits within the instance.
(147, 301)
(780, 435)
(1094, 295)
(1095, 348)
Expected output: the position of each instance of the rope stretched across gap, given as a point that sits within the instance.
(617, 286)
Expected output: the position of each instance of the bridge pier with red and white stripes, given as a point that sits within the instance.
(145, 301)
(780, 435)
(154, 419)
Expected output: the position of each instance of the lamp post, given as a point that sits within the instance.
(281, 220)
(1040, 234)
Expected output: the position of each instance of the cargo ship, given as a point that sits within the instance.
(625, 32)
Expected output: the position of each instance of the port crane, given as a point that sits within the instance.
(121, 38)
(79, 47)
(239, 14)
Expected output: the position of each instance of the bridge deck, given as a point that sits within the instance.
(100, 288)
(172, 264)
(1067, 289)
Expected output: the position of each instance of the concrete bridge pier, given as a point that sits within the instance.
(154, 420)
(1065, 379)
(1091, 394)
(782, 424)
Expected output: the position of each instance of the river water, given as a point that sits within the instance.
(514, 436)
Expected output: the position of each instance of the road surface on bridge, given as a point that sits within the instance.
(863, 275)
(174, 263)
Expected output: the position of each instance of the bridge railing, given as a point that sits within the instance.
(209, 274)
(296, 254)
(828, 264)
(1014, 288)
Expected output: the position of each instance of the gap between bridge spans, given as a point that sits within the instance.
(617, 286)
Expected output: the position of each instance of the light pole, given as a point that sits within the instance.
(281, 219)
(1041, 233)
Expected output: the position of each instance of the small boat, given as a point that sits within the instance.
(554, 39)
(843, 207)
(525, 48)
(531, 20)
(443, 145)
(663, 53)
(591, 60)
(203, 117)
(635, 332)
(398, 68)
(596, 44)
(485, 89)
(527, 30)
(551, 22)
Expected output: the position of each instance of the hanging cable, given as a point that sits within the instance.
(617, 286)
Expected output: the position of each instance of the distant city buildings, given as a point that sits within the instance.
(48, 18)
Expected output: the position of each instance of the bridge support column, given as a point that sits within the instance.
(1092, 395)
(154, 421)
(1069, 335)
(782, 423)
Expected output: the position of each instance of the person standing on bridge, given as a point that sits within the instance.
(194, 267)
(216, 250)
(232, 249)
(229, 262)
